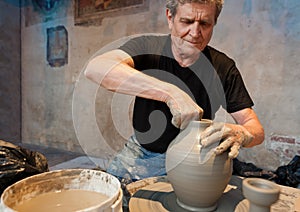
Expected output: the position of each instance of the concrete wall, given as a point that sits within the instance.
(10, 80)
(60, 108)
(263, 37)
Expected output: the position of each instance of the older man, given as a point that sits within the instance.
(176, 78)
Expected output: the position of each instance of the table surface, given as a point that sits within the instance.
(157, 193)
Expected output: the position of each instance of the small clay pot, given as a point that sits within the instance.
(197, 175)
(261, 194)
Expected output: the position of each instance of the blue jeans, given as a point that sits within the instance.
(134, 162)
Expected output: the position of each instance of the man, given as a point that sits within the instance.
(176, 78)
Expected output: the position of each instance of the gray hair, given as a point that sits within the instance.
(173, 4)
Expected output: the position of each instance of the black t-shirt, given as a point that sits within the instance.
(212, 81)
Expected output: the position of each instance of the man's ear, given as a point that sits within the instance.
(169, 18)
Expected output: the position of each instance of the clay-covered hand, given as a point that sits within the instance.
(232, 136)
(183, 108)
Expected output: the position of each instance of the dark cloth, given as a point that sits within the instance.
(17, 163)
(250, 170)
(212, 81)
(287, 175)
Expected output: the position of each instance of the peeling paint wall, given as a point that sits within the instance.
(262, 36)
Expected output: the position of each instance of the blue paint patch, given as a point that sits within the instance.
(46, 6)
(276, 12)
(247, 8)
(292, 24)
(18, 3)
(284, 15)
(13, 2)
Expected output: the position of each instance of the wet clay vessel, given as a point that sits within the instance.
(197, 175)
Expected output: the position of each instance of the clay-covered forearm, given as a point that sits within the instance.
(249, 120)
(257, 131)
(114, 71)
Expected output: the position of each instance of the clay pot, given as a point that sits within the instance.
(261, 194)
(197, 175)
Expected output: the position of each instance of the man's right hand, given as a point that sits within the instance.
(183, 108)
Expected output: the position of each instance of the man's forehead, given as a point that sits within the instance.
(204, 8)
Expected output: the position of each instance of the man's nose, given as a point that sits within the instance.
(195, 30)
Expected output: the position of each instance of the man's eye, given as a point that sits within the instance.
(187, 21)
(203, 23)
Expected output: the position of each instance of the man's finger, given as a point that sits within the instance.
(224, 146)
(234, 151)
(207, 141)
(215, 127)
(176, 121)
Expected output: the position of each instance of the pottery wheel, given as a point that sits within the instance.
(160, 197)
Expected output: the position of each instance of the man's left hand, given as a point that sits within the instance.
(231, 136)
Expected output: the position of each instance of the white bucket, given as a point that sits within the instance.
(69, 179)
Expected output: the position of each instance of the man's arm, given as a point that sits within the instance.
(115, 71)
(248, 119)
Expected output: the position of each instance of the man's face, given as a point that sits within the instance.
(192, 26)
